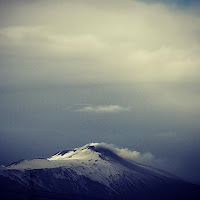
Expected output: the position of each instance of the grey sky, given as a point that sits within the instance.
(121, 72)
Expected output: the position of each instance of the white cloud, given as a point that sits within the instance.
(103, 41)
(131, 40)
(39, 41)
(103, 109)
(142, 158)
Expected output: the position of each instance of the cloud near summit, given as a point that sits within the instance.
(135, 156)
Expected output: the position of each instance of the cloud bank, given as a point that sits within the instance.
(147, 42)
(71, 42)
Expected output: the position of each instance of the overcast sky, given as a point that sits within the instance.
(125, 72)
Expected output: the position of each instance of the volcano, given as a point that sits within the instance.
(93, 171)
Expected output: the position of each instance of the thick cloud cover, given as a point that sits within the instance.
(103, 40)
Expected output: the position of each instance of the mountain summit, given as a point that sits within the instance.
(94, 171)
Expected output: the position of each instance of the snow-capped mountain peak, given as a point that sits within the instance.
(83, 153)
(96, 169)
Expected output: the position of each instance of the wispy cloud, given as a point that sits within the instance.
(135, 156)
(103, 109)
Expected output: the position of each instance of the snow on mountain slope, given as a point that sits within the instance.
(84, 161)
(94, 169)
(90, 161)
